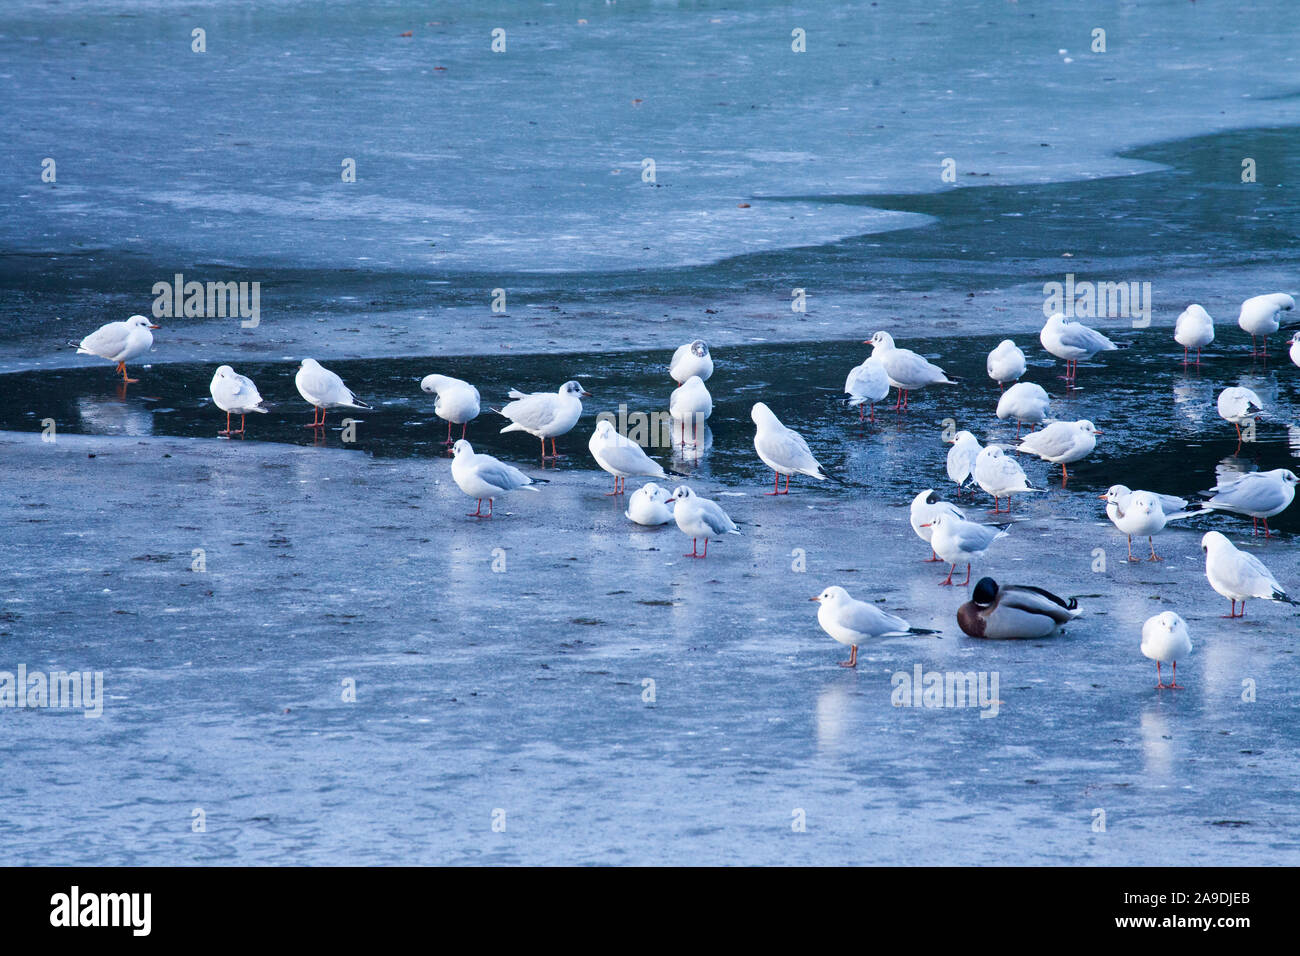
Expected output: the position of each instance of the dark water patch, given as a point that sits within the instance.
(1161, 428)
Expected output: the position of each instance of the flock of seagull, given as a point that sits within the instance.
(994, 611)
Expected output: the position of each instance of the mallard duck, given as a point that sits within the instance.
(1014, 612)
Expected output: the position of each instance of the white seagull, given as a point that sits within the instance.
(1193, 330)
(1062, 443)
(1238, 575)
(119, 342)
(620, 456)
(906, 370)
(853, 622)
(867, 383)
(324, 390)
(1138, 513)
(1025, 402)
(963, 454)
(1259, 316)
(782, 449)
(545, 414)
(457, 402)
(924, 507)
(1006, 363)
(1071, 340)
(1259, 494)
(1164, 638)
(1295, 349)
(957, 540)
(700, 518)
(690, 403)
(1000, 476)
(235, 394)
(1241, 406)
(482, 476)
(648, 505)
(693, 358)
(1116, 495)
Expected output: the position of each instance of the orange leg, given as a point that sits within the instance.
(853, 657)
(121, 367)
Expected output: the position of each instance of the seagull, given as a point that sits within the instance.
(1071, 340)
(1006, 363)
(924, 507)
(1014, 612)
(956, 540)
(1025, 402)
(1062, 443)
(962, 456)
(648, 505)
(700, 518)
(1240, 406)
(1259, 316)
(1164, 639)
(867, 382)
(235, 394)
(324, 390)
(482, 476)
(120, 341)
(691, 403)
(1259, 494)
(852, 622)
(1139, 513)
(906, 370)
(545, 414)
(782, 450)
(693, 358)
(1295, 349)
(1193, 330)
(1000, 476)
(620, 456)
(457, 402)
(1238, 575)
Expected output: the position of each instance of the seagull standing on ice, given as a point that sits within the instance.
(1295, 349)
(700, 518)
(545, 414)
(1194, 330)
(1071, 340)
(1006, 363)
(782, 449)
(957, 540)
(457, 402)
(1000, 476)
(1238, 575)
(235, 394)
(963, 454)
(1165, 639)
(1259, 494)
(693, 358)
(691, 403)
(620, 456)
(119, 342)
(1062, 443)
(1241, 406)
(324, 390)
(1259, 317)
(648, 505)
(924, 507)
(1138, 513)
(1025, 402)
(906, 370)
(482, 476)
(853, 622)
(867, 383)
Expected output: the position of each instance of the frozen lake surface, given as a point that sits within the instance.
(519, 694)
